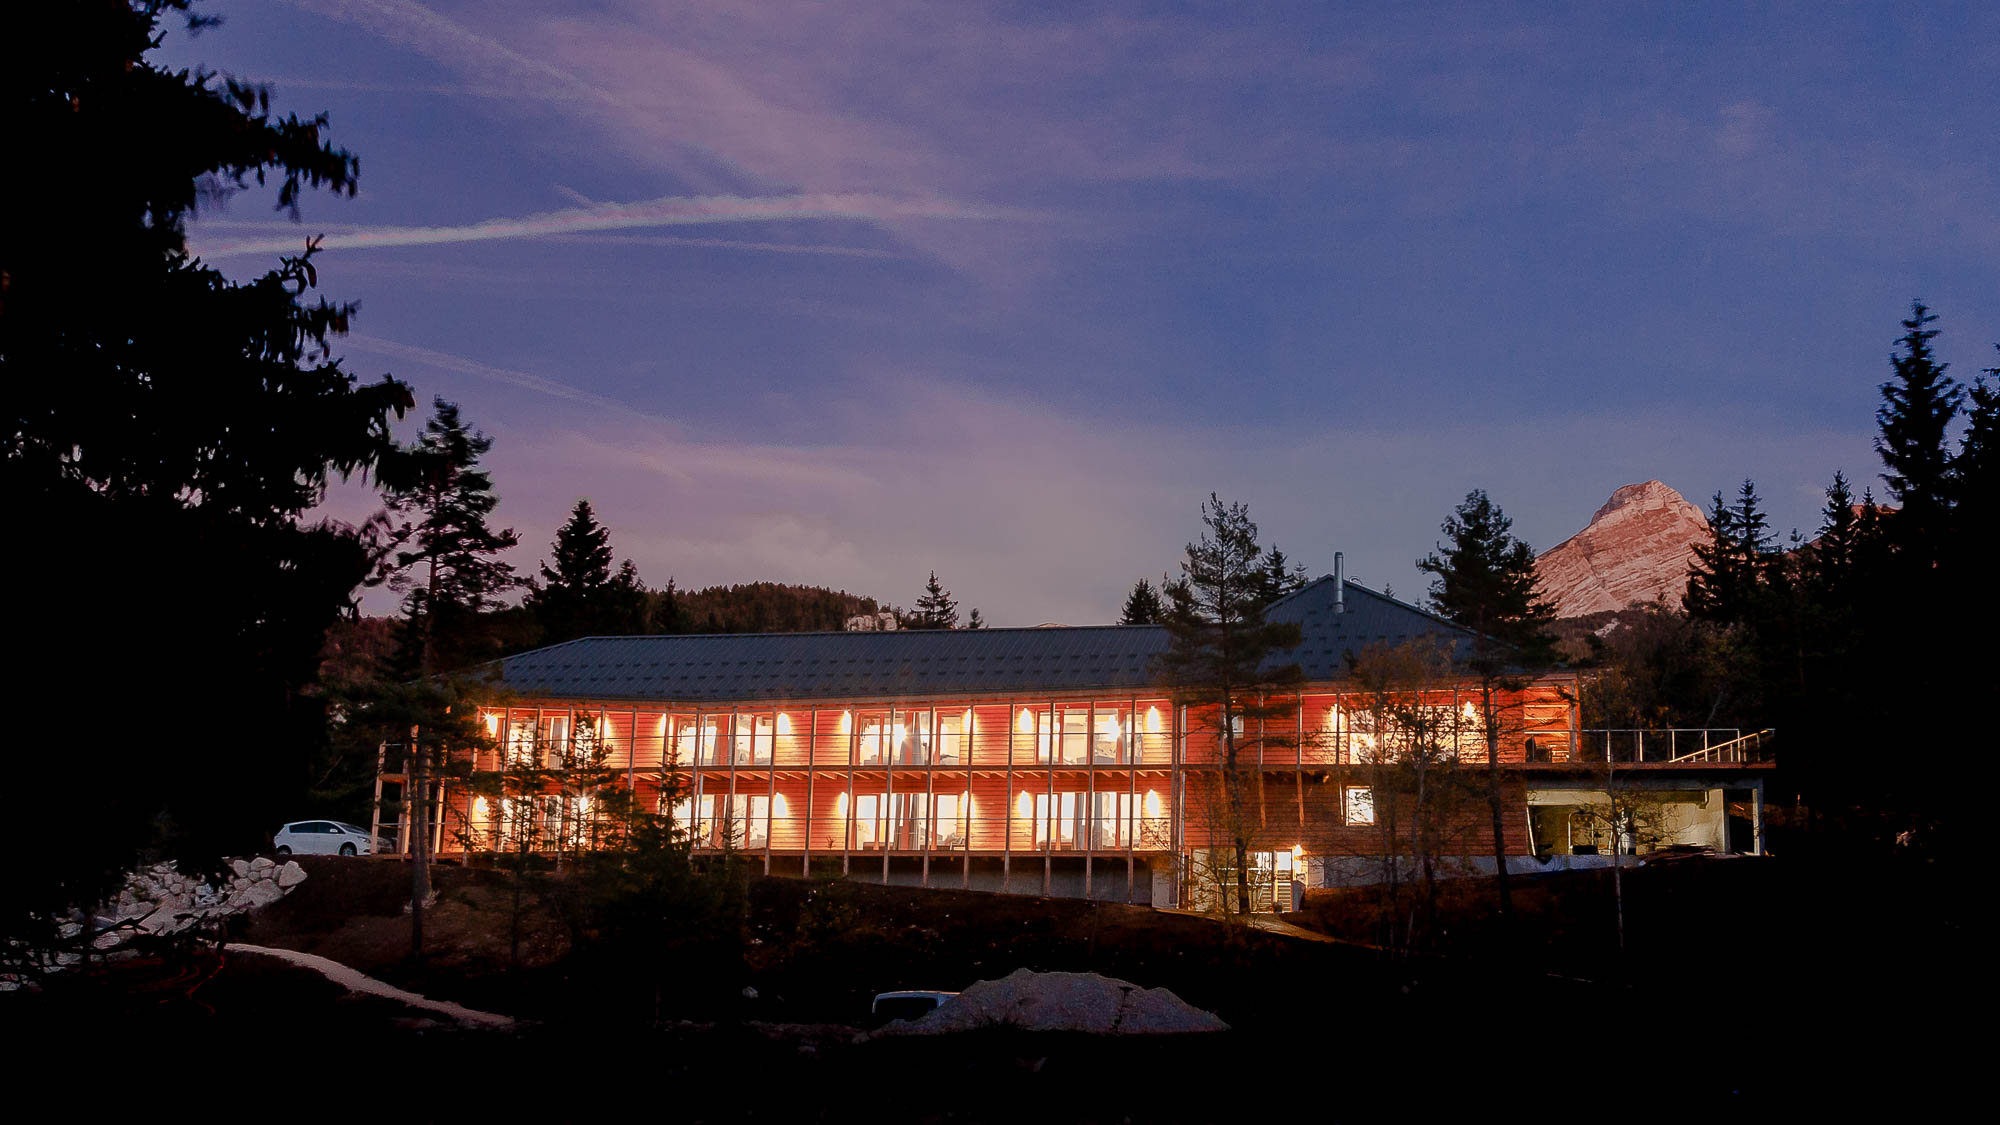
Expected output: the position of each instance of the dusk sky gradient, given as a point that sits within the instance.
(843, 294)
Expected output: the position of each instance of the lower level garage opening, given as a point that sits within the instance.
(1642, 820)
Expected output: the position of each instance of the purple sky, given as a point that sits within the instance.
(841, 294)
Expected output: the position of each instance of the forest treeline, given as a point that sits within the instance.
(1862, 643)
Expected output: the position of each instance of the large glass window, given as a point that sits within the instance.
(1057, 830)
(954, 742)
(695, 739)
(750, 817)
(954, 812)
(755, 736)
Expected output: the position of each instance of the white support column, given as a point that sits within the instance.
(1007, 805)
(1054, 741)
(929, 743)
(812, 768)
(965, 813)
(886, 733)
(1087, 823)
(853, 752)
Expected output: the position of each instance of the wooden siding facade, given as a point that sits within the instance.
(944, 786)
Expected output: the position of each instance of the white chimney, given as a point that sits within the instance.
(1339, 584)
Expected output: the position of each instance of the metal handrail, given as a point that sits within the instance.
(1681, 744)
(1736, 750)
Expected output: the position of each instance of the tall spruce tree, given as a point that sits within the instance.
(579, 595)
(1915, 419)
(935, 609)
(1976, 471)
(1143, 606)
(1281, 575)
(448, 570)
(1484, 579)
(1727, 582)
(168, 431)
(450, 577)
(1224, 663)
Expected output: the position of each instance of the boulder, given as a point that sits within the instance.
(255, 895)
(1086, 1002)
(291, 875)
(262, 863)
(240, 866)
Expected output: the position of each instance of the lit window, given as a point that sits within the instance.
(1357, 804)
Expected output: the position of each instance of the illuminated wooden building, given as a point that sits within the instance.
(1038, 761)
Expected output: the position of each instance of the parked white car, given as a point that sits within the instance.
(323, 837)
(906, 1005)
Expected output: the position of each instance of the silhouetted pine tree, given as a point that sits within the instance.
(169, 430)
(1219, 645)
(579, 596)
(450, 573)
(1281, 576)
(1726, 581)
(1143, 606)
(1484, 579)
(935, 609)
(1915, 418)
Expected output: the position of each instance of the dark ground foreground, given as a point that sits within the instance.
(1810, 1001)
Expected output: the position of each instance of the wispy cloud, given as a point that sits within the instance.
(668, 211)
(420, 29)
(730, 244)
(445, 361)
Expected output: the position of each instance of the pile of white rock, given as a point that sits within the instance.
(160, 900)
(1029, 1001)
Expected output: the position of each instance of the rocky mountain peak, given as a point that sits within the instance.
(1637, 548)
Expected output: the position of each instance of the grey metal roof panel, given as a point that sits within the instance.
(909, 663)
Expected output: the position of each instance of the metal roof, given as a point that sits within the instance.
(933, 663)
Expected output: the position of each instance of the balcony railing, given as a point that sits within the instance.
(1675, 745)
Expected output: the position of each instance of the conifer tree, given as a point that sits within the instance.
(1219, 663)
(450, 577)
(579, 595)
(1281, 575)
(449, 573)
(1726, 582)
(976, 621)
(1484, 579)
(171, 431)
(1830, 562)
(1915, 417)
(935, 609)
(1976, 468)
(1143, 606)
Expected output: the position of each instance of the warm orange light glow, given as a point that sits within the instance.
(847, 722)
(1027, 723)
(1025, 807)
(779, 810)
(1152, 720)
(1152, 802)
(479, 808)
(784, 723)
(492, 723)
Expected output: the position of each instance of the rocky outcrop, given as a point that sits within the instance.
(1029, 1001)
(159, 901)
(1637, 548)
